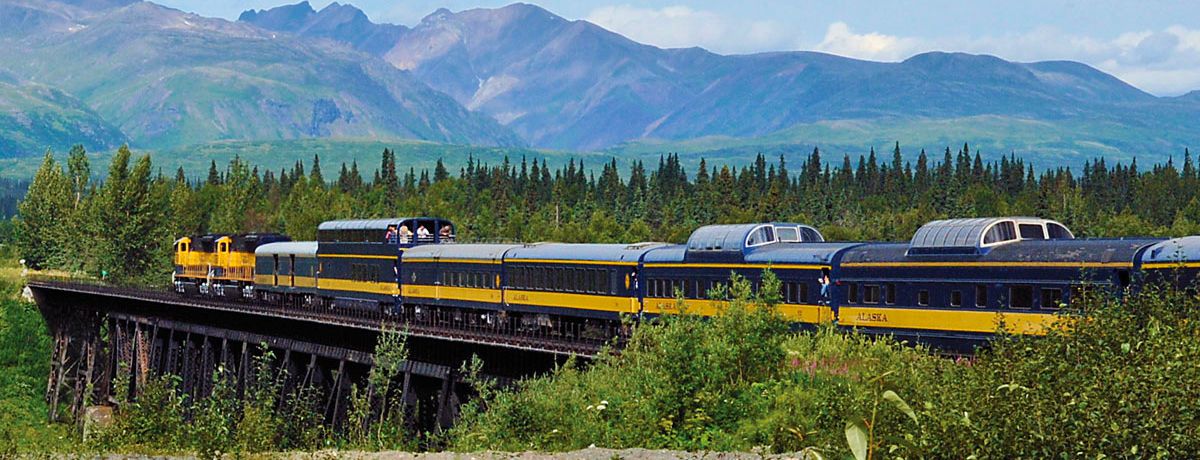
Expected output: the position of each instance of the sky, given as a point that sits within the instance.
(1152, 44)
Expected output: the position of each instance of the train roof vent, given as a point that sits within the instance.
(644, 245)
(978, 235)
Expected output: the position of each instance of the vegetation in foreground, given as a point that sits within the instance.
(1118, 383)
(24, 364)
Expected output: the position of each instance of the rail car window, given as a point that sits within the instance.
(1058, 232)
(981, 297)
(923, 297)
(1020, 297)
(870, 293)
(1032, 232)
(787, 234)
(955, 298)
(1123, 278)
(795, 292)
(1077, 293)
(890, 294)
(1051, 298)
(809, 234)
(852, 293)
(999, 233)
(761, 235)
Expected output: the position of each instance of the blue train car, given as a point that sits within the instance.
(1175, 261)
(960, 280)
(597, 281)
(454, 275)
(286, 273)
(796, 253)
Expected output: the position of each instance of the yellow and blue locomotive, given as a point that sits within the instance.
(218, 265)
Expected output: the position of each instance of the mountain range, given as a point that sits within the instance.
(521, 76)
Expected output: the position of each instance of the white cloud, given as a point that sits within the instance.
(840, 40)
(682, 26)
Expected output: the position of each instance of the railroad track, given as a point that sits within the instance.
(439, 326)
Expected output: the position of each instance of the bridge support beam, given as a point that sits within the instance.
(110, 343)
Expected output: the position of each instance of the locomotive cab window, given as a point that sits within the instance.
(1020, 297)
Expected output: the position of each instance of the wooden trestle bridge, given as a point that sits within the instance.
(109, 340)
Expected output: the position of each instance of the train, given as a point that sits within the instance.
(954, 284)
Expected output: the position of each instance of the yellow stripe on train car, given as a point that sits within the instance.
(734, 266)
(947, 320)
(606, 303)
(570, 262)
(356, 256)
(1170, 265)
(993, 264)
(452, 293)
(370, 287)
(795, 313)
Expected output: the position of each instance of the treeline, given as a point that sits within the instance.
(124, 226)
(11, 193)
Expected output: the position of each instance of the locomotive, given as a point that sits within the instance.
(954, 284)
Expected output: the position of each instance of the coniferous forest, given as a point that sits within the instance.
(121, 223)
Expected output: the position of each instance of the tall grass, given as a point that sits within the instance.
(24, 364)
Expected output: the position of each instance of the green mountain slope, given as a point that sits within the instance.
(34, 118)
(169, 78)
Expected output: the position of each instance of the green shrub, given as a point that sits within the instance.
(1119, 381)
(682, 382)
(25, 350)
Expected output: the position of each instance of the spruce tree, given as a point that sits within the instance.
(42, 214)
(316, 177)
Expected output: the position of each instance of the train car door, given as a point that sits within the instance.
(292, 272)
(223, 257)
(275, 270)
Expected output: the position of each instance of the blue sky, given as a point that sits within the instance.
(1152, 44)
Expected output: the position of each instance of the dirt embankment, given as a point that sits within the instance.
(585, 454)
